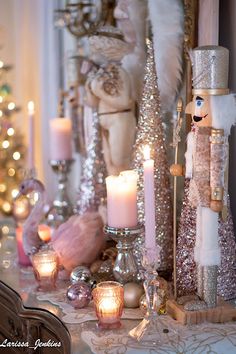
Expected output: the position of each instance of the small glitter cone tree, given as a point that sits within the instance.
(92, 188)
(150, 132)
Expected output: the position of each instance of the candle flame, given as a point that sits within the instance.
(146, 152)
(31, 107)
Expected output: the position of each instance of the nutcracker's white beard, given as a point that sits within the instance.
(223, 112)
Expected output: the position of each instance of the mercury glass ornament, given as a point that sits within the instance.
(80, 273)
(79, 295)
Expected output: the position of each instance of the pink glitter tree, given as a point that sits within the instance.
(186, 268)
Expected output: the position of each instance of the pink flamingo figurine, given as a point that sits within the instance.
(77, 242)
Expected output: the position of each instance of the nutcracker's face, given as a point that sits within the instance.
(200, 110)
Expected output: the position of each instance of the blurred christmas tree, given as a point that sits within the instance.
(12, 149)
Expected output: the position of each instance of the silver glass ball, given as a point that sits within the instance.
(79, 295)
(80, 273)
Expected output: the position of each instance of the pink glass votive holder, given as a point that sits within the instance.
(45, 266)
(108, 299)
(23, 259)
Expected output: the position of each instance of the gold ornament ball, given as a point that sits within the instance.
(132, 294)
(176, 170)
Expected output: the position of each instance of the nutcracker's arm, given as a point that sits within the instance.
(217, 168)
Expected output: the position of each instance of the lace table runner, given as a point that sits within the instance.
(72, 315)
(199, 339)
(206, 338)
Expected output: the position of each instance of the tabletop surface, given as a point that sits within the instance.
(87, 338)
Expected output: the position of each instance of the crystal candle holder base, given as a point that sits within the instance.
(151, 329)
(125, 269)
(62, 208)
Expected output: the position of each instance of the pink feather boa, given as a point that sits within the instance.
(79, 240)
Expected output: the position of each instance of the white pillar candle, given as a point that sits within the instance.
(31, 165)
(122, 200)
(149, 199)
(60, 139)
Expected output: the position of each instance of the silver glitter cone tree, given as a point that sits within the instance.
(92, 188)
(150, 132)
(186, 267)
(185, 264)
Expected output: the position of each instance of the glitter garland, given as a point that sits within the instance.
(186, 268)
(150, 132)
(92, 188)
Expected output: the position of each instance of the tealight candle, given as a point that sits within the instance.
(122, 200)
(23, 259)
(108, 300)
(21, 209)
(45, 265)
(44, 232)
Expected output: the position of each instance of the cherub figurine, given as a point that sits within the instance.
(213, 112)
(109, 88)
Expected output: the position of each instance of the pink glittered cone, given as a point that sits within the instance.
(186, 268)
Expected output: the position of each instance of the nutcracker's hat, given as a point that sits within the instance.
(210, 66)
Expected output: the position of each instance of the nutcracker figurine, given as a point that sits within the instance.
(213, 112)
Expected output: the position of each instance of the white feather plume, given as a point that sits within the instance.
(134, 62)
(167, 20)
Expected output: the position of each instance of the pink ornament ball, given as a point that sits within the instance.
(79, 295)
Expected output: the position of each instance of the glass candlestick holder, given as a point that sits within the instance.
(125, 268)
(152, 328)
(108, 297)
(45, 267)
(62, 208)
